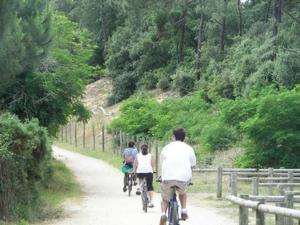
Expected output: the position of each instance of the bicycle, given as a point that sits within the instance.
(173, 207)
(129, 182)
(129, 178)
(144, 195)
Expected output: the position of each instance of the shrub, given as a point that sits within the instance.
(184, 82)
(124, 86)
(164, 84)
(137, 116)
(218, 136)
(273, 132)
(149, 80)
(25, 159)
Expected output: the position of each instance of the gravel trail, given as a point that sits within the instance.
(104, 203)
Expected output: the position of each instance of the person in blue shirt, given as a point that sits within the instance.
(129, 155)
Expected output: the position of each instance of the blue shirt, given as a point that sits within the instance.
(130, 154)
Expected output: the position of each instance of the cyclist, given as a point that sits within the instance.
(129, 154)
(177, 159)
(143, 167)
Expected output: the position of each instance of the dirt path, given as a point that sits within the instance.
(104, 203)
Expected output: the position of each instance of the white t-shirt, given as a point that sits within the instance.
(144, 163)
(176, 159)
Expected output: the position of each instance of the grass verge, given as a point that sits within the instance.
(61, 186)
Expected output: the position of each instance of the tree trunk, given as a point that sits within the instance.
(268, 10)
(182, 33)
(277, 15)
(223, 28)
(199, 46)
(240, 17)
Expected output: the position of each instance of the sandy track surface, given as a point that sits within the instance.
(104, 203)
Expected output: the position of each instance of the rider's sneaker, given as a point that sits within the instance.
(184, 216)
(138, 192)
(150, 205)
(124, 189)
(163, 220)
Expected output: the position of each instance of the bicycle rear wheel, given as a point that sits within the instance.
(173, 213)
(129, 185)
(144, 197)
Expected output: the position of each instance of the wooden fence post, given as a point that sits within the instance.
(94, 137)
(150, 145)
(113, 140)
(83, 136)
(291, 179)
(255, 189)
(233, 182)
(62, 134)
(244, 212)
(289, 200)
(75, 134)
(121, 142)
(219, 182)
(279, 220)
(260, 216)
(103, 139)
(270, 174)
(66, 133)
(137, 141)
(156, 159)
(70, 132)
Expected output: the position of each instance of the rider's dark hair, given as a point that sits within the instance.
(131, 144)
(179, 134)
(144, 149)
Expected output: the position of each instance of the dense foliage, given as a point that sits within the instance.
(43, 64)
(231, 48)
(266, 126)
(25, 162)
(43, 71)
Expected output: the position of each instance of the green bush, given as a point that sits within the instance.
(149, 80)
(164, 84)
(218, 136)
(184, 82)
(25, 159)
(124, 86)
(273, 132)
(137, 116)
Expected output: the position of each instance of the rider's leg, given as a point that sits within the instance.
(125, 181)
(150, 195)
(183, 199)
(164, 205)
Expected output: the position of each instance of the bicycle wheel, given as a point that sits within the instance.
(129, 184)
(173, 213)
(144, 197)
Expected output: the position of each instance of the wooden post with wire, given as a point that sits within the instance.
(103, 139)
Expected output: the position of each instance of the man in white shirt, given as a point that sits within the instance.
(177, 160)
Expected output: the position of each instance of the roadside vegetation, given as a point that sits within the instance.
(43, 71)
(233, 62)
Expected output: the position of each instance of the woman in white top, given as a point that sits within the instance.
(144, 169)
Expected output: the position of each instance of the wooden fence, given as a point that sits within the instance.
(283, 215)
(94, 136)
(271, 178)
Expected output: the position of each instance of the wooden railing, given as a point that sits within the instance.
(270, 177)
(283, 216)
